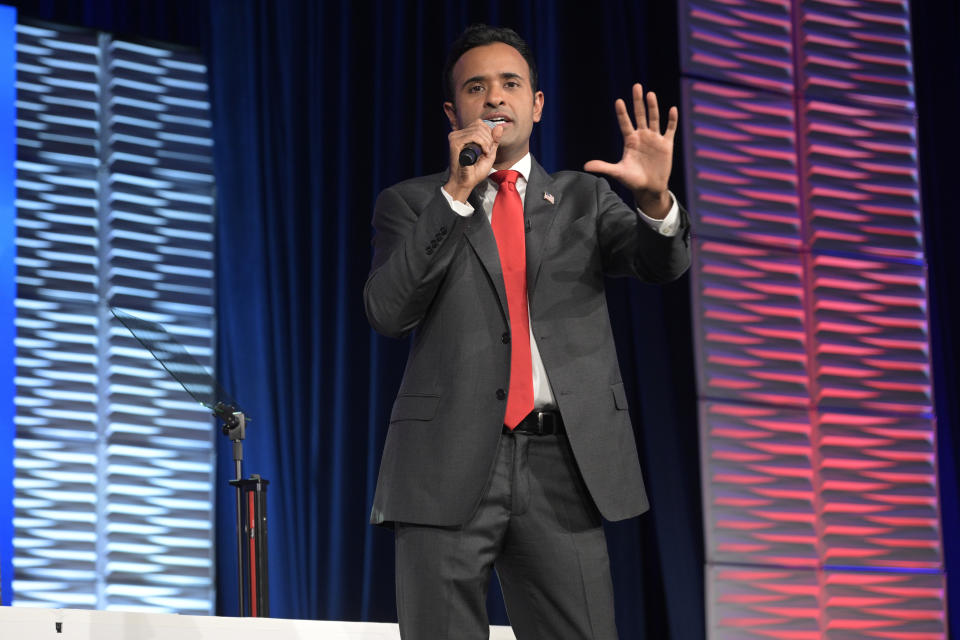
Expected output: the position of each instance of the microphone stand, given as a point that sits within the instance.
(251, 499)
(251, 521)
(235, 428)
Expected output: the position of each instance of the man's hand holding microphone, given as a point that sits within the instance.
(481, 136)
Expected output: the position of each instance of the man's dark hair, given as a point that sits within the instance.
(478, 35)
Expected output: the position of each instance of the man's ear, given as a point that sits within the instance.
(537, 106)
(451, 112)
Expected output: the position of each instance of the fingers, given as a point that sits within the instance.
(464, 178)
(638, 111)
(673, 116)
(653, 111)
(623, 118)
(646, 112)
(480, 134)
(599, 166)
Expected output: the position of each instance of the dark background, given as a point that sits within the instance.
(319, 105)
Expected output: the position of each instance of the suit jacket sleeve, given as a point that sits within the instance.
(630, 247)
(416, 235)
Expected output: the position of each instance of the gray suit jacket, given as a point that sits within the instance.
(438, 275)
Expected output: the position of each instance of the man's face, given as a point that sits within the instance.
(492, 82)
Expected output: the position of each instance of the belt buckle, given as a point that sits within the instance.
(548, 418)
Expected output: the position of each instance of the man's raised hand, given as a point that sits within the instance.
(647, 157)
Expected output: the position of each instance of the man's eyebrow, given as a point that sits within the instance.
(472, 80)
(506, 75)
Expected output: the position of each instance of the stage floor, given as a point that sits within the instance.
(23, 623)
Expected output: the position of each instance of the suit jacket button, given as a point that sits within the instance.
(443, 230)
(429, 250)
(501, 394)
(505, 338)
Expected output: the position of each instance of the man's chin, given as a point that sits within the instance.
(509, 155)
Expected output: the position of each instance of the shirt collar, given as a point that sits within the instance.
(522, 166)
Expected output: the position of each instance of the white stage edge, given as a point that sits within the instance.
(24, 623)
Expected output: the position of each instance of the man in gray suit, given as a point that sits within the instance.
(505, 452)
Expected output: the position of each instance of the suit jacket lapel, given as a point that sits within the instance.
(540, 213)
(480, 235)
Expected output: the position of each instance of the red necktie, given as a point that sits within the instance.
(507, 223)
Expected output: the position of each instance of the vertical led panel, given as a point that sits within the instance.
(8, 294)
(809, 293)
(762, 505)
(765, 603)
(755, 347)
(114, 461)
(57, 449)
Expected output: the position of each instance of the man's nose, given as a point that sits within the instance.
(494, 97)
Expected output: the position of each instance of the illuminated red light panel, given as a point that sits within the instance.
(785, 604)
(809, 295)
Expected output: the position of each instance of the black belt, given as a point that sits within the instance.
(539, 423)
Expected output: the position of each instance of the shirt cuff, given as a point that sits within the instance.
(462, 209)
(668, 226)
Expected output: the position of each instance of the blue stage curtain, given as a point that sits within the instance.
(937, 64)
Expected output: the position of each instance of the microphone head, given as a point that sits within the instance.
(469, 155)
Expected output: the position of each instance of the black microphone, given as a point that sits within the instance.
(471, 151)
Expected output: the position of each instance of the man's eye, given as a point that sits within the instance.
(512, 84)
(475, 88)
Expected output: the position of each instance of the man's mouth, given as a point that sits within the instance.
(497, 119)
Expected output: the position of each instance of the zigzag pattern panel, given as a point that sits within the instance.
(748, 44)
(743, 149)
(57, 448)
(809, 288)
(161, 184)
(763, 603)
(859, 172)
(863, 189)
(810, 303)
(856, 52)
(872, 344)
(795, 488)
(877, 491)
(760, 499)
(750, 306)
(159, 468)
(851, 52)
(159, 449)
(114, 461)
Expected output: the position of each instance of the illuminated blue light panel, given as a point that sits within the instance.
(8, 293)
(113, 461)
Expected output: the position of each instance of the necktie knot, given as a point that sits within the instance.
(505, 176)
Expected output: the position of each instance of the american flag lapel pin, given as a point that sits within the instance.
(548, 196)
